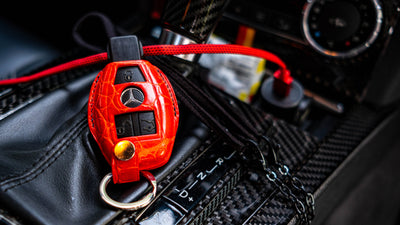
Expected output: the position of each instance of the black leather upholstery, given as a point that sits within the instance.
(50, 166)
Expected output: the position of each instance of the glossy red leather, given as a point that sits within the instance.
(151, 150)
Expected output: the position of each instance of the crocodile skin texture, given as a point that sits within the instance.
(106, 102)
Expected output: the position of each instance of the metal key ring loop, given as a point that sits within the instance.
(143, 202)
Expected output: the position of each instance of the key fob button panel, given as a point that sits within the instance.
(133, 101)
(129, 74)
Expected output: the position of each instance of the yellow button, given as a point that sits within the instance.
(124, 150)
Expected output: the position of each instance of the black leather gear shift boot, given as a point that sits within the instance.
(50, 166)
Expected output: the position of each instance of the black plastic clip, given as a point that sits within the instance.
(273, 148)
(124, 48)
(266, 152)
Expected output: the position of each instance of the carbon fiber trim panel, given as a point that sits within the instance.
(325, 159)
(255, 193)
(195, 19)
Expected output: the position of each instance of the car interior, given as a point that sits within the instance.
(200, 112)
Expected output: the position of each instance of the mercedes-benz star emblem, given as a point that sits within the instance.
(132, 97)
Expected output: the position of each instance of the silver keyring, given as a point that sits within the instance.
(133, 205)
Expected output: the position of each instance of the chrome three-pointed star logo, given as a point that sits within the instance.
(132, 97)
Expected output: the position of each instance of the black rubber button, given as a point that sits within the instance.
(129, 74)
(147, 123)
(124, 125)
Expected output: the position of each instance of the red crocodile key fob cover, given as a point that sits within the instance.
(133, 101)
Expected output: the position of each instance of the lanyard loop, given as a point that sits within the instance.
(143, 202)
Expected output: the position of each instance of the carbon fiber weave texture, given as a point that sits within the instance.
(313, 162)
(194, 18)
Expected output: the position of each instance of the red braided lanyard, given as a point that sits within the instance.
(151, 51)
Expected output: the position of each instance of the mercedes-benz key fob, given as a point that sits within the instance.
(133, 115)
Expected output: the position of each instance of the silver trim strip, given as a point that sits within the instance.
(171, 38)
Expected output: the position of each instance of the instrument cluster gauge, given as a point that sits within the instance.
(341, 28)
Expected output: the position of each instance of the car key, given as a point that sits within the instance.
(133, 113)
